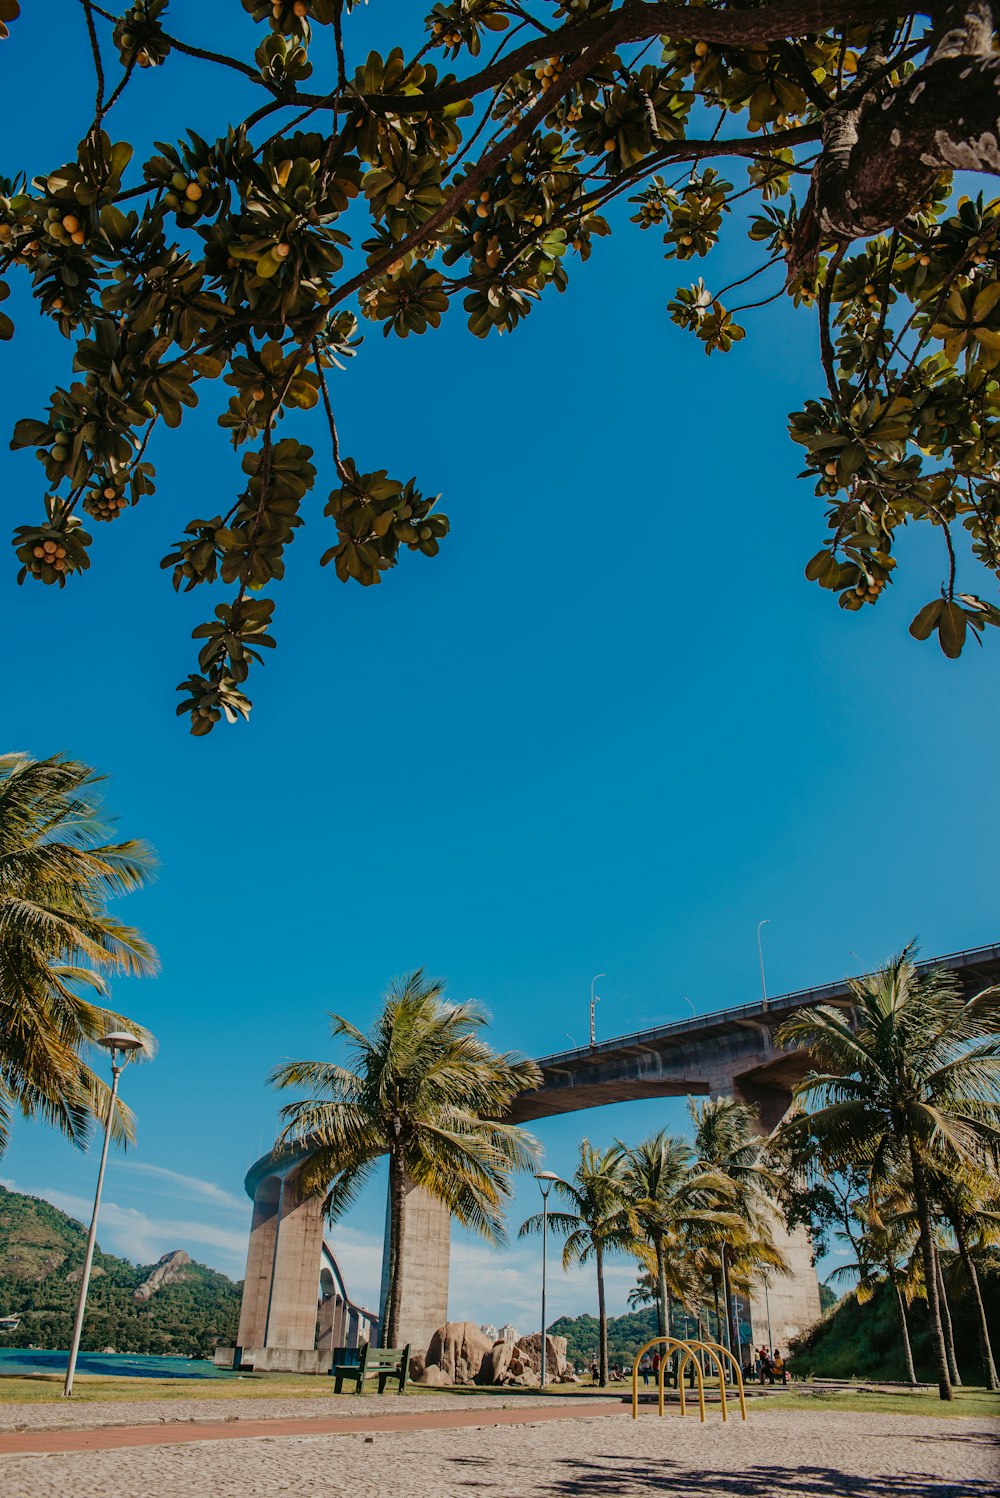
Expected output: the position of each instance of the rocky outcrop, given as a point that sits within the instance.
(167, 1271)
(459, 1353)
(459, 1350)
(76, 1275)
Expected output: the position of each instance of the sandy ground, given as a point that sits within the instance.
(776, 1454)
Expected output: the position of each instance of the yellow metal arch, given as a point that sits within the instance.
(738, 1371)
(671, 1343)
(689, 1353)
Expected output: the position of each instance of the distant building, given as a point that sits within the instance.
(508, 1333)
(489, 1331)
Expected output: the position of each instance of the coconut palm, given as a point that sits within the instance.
(426, 1090)
(598, 1224)
(883, 1244)
(727, 1140)
(670, 1201)
(911, 1078)
(58, 944)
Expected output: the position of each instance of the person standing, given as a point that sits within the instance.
(779, 1367)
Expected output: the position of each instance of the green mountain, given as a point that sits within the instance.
(626, 1334)
(176, 1306)
(866, 1341)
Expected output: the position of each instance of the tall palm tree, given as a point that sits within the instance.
(670, 1200)
(58, 944)
(425, 1089)
(883, 1245)
(599, 1223)
(727, 1140)
(911, 1078)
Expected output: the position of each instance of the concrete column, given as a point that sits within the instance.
(793, 1299)
(291, 1320)
(260, 1264)
(426, 1261)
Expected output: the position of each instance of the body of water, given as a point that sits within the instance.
(110, 1364)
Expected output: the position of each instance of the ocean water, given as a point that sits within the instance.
(110, 1364)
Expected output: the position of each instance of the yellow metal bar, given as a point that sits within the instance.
(739, 1373)
(692, 1355)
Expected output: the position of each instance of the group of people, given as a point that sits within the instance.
(769, 1367)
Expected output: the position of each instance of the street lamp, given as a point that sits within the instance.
(123, 1047)
(544, 1179)
(594, 999)
(767, 1304)
(760, 954)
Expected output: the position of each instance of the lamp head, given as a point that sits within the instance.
(545, 1179)
(122, 1044)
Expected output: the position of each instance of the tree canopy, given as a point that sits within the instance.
(474, 164)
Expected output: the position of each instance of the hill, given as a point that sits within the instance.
(865, 1340)
(176, 1306)
(626, 1334)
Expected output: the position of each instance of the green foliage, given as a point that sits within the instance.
(863, 1341)
(40, 1247)
(59, 943)
(249, 257)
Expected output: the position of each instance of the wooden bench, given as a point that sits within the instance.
(355, 1364)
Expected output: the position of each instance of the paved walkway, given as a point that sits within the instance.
(180, 1433)
(529, 1452)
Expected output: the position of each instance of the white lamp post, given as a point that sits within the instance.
(760, 954)
(123, 1047)
(595, 998)
(544, 1179)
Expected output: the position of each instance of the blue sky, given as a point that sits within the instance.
(610, 728)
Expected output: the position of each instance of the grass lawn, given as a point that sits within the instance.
(967, 1401)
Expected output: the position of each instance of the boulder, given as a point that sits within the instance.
(434, 1377)
(460, 1350)
(529, 1351)
(417, 1365)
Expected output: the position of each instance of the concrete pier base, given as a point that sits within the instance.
(427, 1260)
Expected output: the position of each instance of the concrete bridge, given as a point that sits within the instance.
(730, 1053)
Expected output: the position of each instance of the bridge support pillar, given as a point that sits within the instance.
(788, 1303)
(426, 1261)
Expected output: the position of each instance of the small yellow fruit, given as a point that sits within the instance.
(78, 237)
(482, 212)
(609, 146)
(830, 468)
(193, 192)
(71, 223)
(925, 260)
(282, 251)
(701, 49)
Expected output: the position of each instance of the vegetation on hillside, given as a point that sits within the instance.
(862, 1340)
(41, 1249)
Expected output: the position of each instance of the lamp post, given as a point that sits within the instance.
(544, 1179)
(767, 1304)
(594, 999)
(122, 1047)
(760, 954)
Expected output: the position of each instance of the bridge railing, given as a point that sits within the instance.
(801, 998)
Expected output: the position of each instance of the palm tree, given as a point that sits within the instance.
(425, 1089)
(911, 1078)
(727, 1141)
(883, 1247)
(58, 944)
(599, 1223)
(670, 1200)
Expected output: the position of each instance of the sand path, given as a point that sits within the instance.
(776, 1454)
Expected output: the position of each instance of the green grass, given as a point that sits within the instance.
(967, 1401)
(41, 1388)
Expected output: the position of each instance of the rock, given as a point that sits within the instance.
(460, 1350)
(417, 1364)
(434, 1377)
(167, 1271)
(76, 1275)
(496, 1367)
(529, 1351)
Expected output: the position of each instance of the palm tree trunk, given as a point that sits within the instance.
(397, 1225)
(985, 1346)
(728, 1292)
(602, 1317)
(661, 1291)
(930, 1278)
(718, 1314)
(908, 1350)
(949, 1333)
